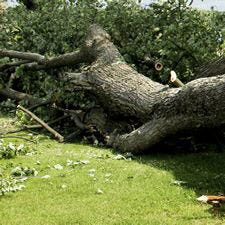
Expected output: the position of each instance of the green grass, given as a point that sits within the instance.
(140, 191)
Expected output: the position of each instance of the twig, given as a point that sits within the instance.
(28, 127)
(12, 131)
(51, 122)
(26, 139)
(43, 124)
(12, 64)
(74, 116)
(40, 104)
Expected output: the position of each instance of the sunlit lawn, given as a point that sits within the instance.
(110, 191)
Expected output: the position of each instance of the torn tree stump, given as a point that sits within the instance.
(58, 136)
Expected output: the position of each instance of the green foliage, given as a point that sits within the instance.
(180, 37)
(21, 171)
(54, 28)
(8, 151)
(9, 184)
(7, 106)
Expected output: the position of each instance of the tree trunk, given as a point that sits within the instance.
(124, 94)
(216, 67)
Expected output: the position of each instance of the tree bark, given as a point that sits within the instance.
(20, 96)
(216, 67)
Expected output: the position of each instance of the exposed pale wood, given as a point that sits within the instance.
(175, 80)
(153, 63)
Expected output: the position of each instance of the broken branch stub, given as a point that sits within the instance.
(175, 80)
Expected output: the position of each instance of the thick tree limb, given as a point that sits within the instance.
(69, 59)
(200, 104)
(42, 123)
(39, 62)
(216, 67)
(19, 96)
(22, 55)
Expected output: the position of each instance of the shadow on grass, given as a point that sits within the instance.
(203, 172)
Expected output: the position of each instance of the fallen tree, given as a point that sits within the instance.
(135, 112)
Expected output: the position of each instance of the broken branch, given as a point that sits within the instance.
(19, 96)
(42, 123)
(175, 80)
(13, 64)
(23, 55)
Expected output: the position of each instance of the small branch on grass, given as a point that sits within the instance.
(19, 137)
(12, 131)
(43, 124)
(28, 127)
